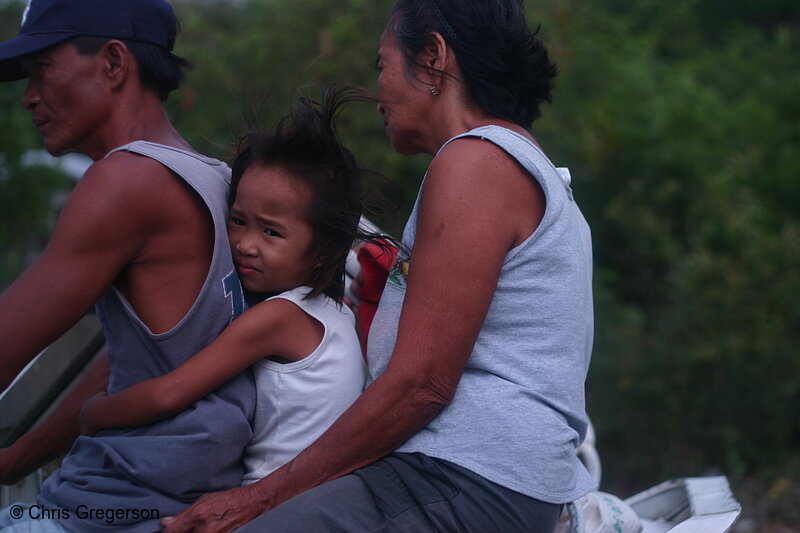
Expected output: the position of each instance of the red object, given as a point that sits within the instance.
(376, 262)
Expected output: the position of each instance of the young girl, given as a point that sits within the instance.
(296, 203)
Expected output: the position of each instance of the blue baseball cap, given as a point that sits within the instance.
(46, 23)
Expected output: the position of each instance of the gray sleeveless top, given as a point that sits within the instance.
(518, 412)
(168, 465)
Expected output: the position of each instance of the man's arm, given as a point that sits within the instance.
(54, 436)
(99, 232)
(102, 229)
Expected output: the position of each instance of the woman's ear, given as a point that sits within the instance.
(435, 56)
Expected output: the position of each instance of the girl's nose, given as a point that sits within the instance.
(245, 245)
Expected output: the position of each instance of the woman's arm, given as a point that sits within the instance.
(469, 220)
(275, 327)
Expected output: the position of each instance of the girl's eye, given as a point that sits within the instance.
(237, 221)
(272, 232)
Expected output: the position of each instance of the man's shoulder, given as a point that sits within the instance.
(149, 163)
(123, 164)
(126, 181)
(126, 170)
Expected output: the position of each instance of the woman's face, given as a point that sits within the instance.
(404, 101)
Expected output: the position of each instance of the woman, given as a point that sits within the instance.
(480, 347)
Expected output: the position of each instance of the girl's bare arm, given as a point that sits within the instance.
(274, 327)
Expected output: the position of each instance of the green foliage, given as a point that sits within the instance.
(679, 121)
(682, 136)
(28, 194)
(253, 57)
(28, 200)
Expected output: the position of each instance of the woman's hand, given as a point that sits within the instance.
(216, 512)
(88, 417)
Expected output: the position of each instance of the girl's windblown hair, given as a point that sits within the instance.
(306, 145)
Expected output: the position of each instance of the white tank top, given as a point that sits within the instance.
(296, 402)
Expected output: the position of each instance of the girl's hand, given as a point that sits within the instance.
(89, 411)
(355, 288)
(8, 476)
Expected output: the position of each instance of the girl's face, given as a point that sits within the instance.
(269, 232)
(404, 102)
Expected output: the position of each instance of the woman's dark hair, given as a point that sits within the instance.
(503, 62)
(306, 145)
(159, 69)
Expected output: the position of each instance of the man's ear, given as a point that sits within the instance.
(117, 62)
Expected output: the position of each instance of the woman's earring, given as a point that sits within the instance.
(435, 91)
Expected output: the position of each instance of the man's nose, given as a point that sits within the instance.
(30, 98)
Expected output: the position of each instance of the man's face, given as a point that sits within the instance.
(65, 96)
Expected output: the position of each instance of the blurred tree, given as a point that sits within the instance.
(253, 57)
(679, 121)
(28, 194)
(682, 136)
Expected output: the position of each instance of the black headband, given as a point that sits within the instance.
(443, 21)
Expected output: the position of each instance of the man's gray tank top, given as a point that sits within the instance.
(168, 465)
(518, 413)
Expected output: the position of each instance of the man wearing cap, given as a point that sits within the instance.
(142, 236)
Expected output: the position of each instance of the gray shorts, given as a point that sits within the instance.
(414, 493)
